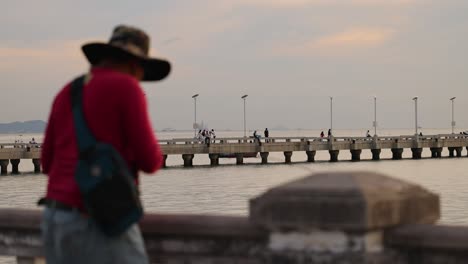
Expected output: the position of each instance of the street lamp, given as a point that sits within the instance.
(453, 113)
(415, 99)
(195, 122)
(244, 97)
(375, 116)
(331, 114)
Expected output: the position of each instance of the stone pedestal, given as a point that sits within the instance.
(334, 155)
(417, 153)
(37, 165)
(188, 159)
(164, 161)
(287, 156)
(239, 158)
(356, 154)
(339, 217)
(458, 150)
(4, 166)
(310, 155)
(397, 153)
(214, 159)
(451, 152)
(14, 166)
(264, 156)
(376, 154)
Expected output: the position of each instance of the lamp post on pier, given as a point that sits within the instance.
(195, 113)
(244, 97)
(415, 99)
(453, 113)
(331, 114)
(375, 116)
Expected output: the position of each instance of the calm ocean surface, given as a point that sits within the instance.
(226, 189)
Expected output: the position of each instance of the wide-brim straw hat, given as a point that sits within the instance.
(129, 42)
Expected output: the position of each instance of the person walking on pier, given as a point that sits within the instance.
(266, 133)
(116, 113)
(322, 134)
(329, 132)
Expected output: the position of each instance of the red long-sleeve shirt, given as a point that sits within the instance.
(115, 111)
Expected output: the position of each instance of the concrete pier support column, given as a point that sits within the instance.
(416, 153)
(439, 152)
(310, 155)
(239, 158)
(287, 156)
(434, 152)
(37, 165)
(376, 154)
(334, 155)
(214, 159)
(451, 151)
(164, 161)
(264, 156)
(4, 166)
(188, 159)
(458, 150)
(14, 166)
(397, 153)
(339, 217)
(356, 154)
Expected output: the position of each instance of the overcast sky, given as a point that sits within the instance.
(289, 56)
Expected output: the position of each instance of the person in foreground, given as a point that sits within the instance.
(115, 110)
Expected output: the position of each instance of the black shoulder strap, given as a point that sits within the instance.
(86, 140)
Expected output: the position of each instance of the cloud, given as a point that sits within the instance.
(338, 43)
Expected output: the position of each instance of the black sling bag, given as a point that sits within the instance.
(108, 189)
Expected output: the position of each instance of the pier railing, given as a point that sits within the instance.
(357, 217)
(242, 147)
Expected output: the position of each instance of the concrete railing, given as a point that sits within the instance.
(356, 217)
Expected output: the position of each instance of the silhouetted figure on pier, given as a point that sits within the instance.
(266, 133)
(368, 134)
(322, 134)
(257, 137)
(329, 132)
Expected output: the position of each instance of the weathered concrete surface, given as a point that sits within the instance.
(349, 201)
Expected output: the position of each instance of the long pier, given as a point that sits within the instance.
(241, 147)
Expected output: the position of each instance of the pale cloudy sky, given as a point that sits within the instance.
(288, 55)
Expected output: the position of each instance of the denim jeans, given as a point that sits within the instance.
(69, 237)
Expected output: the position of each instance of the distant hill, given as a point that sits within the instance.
(33, 126)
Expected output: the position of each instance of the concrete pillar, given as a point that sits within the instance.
(188, 159)
(439, 152)
(458, 150)
(164, 161)
(339, 217)
(334, 155)
(451, 151)
(4, 166)
(416, 153)
(37, 165)
(376, 154)
(214, 159)
(434, 152)
(264, 156)
(310, 155)
(14, 166)
(287, 156)
(356, 154)
(239, 158)
(397, 153)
